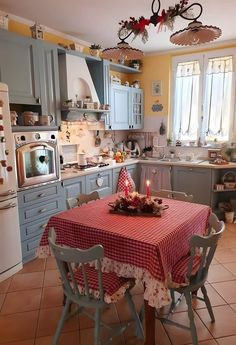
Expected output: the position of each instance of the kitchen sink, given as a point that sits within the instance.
(174, 160)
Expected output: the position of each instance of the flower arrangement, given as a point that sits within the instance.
(95, 46)
(167, 17)
(119, 156)
(134, 203)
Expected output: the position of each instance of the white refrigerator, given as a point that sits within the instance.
(10, 245)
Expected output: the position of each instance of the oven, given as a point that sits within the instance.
(37, 159)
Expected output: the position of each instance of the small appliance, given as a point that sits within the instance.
(133, 147)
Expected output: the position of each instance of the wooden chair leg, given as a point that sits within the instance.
(208, 303)
(97, 327)
(135, 316)
(61, 322)
(191, 318)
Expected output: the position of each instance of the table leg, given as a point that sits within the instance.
(149, 324)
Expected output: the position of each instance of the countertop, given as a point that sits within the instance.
(73, 173)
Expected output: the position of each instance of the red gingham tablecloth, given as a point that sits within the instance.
(146, 248)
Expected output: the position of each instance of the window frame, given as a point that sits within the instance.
(203, 57)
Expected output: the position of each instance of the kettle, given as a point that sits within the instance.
(82, 159)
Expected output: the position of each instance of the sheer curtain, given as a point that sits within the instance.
(186, 101)
(217, 100)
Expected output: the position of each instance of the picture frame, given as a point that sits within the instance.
(157, 88)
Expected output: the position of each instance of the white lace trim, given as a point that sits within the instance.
(156, 291)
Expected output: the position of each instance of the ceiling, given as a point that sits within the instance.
(96, 21)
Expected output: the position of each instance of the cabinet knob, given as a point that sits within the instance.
(42, 210)
(38, 100)
(41, 195)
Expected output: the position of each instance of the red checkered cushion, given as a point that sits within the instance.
(123, 176)
(111, 282)
(179, 272)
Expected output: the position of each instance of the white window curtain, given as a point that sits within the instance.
(186, 101)
(218, 98)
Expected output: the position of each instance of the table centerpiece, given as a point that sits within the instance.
(137, 204)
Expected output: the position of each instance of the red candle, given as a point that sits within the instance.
(126, 187)
(148, 188)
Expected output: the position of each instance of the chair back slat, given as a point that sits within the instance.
(82, 199)
(71, 261)
(205, 247)
(172, 194)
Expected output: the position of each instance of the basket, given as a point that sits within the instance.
(229, 180)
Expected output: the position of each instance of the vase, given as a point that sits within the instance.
(229, 217)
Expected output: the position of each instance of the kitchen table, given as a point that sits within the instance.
(144, 248)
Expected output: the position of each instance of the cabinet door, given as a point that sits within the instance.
(195, 181)
(136, 112)
(101, 182)
(73, 187)
(120, 107)
(49, 80)
(19, 68)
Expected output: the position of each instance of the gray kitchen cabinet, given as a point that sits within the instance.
(49, 80)
(120, 107)
(73, 187)
(36, 206)
(136, 112)
(195, 181)
(132, 169)
(100, 181)
(19, 68)
(30, 69)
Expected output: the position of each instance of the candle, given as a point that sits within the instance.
(148, 188)
(126, 187)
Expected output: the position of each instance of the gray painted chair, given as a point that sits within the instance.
(207, 246)
(171, 194)
(79, 278)
(82, 199)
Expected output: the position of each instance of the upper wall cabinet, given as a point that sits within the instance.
(30, 69)
(19, 68)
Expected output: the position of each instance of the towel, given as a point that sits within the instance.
(123, 176)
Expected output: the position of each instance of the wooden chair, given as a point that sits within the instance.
(172, 194)
(89, 288)
(192, 270)
(82, 199)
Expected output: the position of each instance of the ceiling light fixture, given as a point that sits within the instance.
(195, 33)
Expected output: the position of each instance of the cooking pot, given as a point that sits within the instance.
(82, 159)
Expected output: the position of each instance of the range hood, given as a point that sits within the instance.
(75, 79)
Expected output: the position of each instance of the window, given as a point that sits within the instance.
(203, 96)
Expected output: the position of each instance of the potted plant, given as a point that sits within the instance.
(148, 151)
(136, 64)
(95, 49)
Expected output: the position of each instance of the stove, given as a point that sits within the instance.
(90, 166)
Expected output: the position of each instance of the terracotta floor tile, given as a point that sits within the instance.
(21, 301)
(17, 327)
(2, 297)
(26, 281)
(69, 338)
(218, 273)
(36, 265)
(227, 340)
(214, 297)
(87, 337)
(223, 256)
(48, 320)
(52, 296)
(109, 316)
(207, 342)
(131, 339)
(52, 278)
(227, 242)
(179, 336)
(51, 263)
(231, 266)
(226, 290)
(4, 286)
(221, 327)
(24, 342)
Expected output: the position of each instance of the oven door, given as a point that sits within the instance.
(37, 163)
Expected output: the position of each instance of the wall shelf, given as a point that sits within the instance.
(33, 128)
(123, 68)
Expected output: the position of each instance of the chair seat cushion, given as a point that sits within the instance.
(114, 287)
(179, 272)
